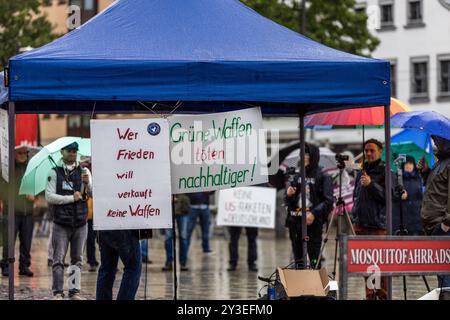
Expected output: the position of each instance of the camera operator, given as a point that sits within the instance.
(409, 197)
(369, 208)
(319, 198)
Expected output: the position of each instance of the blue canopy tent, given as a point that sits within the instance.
(198, 50)
(193, 56)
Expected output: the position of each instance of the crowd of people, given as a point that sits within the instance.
(424, 198)
(69, 197)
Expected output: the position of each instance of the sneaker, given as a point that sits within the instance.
(92, 268)
(58, 296)
(25, 272)
(167, 267)
(184, 267)
(75, 296)
(231, 268)
(252, 268)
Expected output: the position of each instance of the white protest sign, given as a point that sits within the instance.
(247, 207)
(131, 174)
(217, 151)
(4, 144)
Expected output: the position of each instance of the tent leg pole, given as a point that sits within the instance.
(303, 192)
(388, 182)
(11, 195)
(174, 251)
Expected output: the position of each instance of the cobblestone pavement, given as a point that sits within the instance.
(207, 277)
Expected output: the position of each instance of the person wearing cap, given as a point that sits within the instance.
(67, 186)
(23, 205)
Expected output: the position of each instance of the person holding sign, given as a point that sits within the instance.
(66, 190)
(319, 198)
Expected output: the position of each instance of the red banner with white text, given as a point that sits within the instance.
(399, 256)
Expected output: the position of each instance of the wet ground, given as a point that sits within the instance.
(207, 277)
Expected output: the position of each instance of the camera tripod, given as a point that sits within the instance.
(340, 213)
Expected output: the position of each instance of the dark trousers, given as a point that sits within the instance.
(125, 245)
(235, 233)
(24, 228)
(315, 240)
(90, 244)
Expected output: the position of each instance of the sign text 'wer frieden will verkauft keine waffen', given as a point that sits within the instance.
(131, 174)
(217, 151)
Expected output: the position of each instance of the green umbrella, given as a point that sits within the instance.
(409, 149)
(35, 177)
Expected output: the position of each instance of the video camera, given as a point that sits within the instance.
(340, 159)
(291, 176)
(400, 160)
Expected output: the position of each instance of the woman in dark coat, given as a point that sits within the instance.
(411, 202)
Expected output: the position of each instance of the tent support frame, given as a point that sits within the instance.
(11, 191)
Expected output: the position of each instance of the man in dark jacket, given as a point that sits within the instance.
(436, 201)
(369, 208)
(319, 198)
(66, 185)
(23, 218)
(410, 201)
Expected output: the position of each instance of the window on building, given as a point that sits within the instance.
(387, 14)
(444, 76)
(419, 80)
(360, 8)
(393, 79)
(415, 12)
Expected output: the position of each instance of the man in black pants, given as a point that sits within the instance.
(319, 202)
(235, 233)
(23, 218)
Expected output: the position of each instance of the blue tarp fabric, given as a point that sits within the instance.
(196, 50)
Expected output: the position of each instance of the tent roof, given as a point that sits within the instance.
(196, 50)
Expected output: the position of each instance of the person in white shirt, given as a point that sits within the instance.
(68, 186)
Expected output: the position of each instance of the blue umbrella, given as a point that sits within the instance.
(429, 122)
